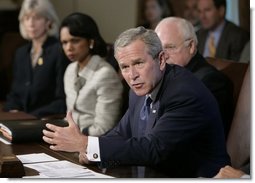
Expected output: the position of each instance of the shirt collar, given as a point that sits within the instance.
(89, 69)
(155, 91)
(218, 29)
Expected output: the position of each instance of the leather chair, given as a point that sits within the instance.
(8, 45)
(239, 138)
(235, 71)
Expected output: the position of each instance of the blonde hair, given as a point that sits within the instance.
(43, 8)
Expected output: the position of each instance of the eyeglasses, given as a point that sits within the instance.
(172, 49)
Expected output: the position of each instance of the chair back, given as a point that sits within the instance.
(8, 45)
(239, 138)
(235, 71)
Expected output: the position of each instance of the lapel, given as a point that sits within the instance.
(202, 39)
(136, 120)
(89, 70)
(27, 64)
(46, 53)
(155, 106)
(222, 45)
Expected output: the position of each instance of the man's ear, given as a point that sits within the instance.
(162, 60)
(192, 47)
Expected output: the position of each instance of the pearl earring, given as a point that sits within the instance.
(91, 46)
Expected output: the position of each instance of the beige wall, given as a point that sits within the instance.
(112, 16)
(7, 5)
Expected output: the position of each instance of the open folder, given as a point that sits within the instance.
(26, 130)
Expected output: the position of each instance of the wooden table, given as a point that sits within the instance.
(15, 116)
(119, 172)
(41, 147)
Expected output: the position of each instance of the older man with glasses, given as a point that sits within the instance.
(180, 43)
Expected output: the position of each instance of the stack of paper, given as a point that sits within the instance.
(50, 167)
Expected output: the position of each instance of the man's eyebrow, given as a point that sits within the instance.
(132, 61)
(169, 44)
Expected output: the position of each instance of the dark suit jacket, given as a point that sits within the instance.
(184, 135)
(231, 43)
(38, 91)
(219, 84)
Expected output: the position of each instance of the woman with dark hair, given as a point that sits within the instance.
(93, 88)
(153, 11)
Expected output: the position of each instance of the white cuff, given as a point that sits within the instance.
(245, 176)
(93, 151)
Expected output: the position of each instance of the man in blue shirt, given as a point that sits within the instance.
(219, 37)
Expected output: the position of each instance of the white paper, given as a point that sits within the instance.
(35, 158)
(68, 173)
(48, 166)
(64, 169)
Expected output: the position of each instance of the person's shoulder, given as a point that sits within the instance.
(234, 29)
(198, 64)
(52, 43)
(205, 71)
(231, 25)
(103, 68)
(179, 84)
(201, 32)
(71, 67)
(174, 72)
(178, 78)
(24, 48)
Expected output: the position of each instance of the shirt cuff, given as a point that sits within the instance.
(246, 176)
(93, 151)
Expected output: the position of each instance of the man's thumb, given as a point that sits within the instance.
(69, 118)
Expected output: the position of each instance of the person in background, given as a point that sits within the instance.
(172, 123)
(93, 88)
(153, 11)
(219, 37)
(39, 66)
(191, 13)
(179, 40)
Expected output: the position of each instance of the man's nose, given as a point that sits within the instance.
(133, 74)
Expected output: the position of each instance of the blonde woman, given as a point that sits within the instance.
(39, 66)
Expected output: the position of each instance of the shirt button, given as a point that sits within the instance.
(95, 155)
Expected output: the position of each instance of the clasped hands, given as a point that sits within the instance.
(69, 139)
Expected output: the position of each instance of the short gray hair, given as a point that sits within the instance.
(149, 37)
(186, 28)
(43, 8)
